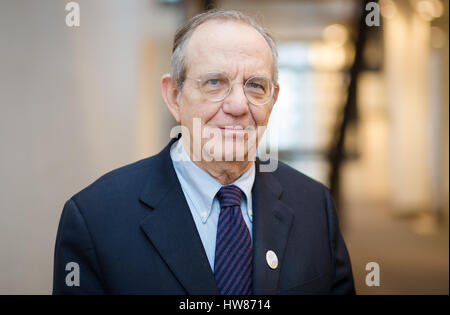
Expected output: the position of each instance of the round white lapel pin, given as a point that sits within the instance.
(272, 259)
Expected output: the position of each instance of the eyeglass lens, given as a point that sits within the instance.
(216, 86)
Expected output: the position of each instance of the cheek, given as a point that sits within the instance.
(209, 112)
(261, 114)
(195, 107)
(205, 114)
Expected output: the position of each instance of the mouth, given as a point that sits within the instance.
(232, 129)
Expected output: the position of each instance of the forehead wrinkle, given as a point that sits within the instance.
(231, 52)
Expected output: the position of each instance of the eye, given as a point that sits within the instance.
(213, 81)
(256, 86)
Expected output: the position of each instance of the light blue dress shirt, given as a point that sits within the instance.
(200, 190)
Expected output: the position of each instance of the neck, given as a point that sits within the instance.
(225, 172)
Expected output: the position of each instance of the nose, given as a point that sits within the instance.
(236, 103)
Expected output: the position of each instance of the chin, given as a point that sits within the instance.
(226, 150)
(235, 149)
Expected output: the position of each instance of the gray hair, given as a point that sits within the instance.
(184, 33)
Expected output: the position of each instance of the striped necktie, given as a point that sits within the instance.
(233, 267)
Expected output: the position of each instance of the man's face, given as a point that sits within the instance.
(239, 51)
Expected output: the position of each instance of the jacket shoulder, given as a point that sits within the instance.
(125, 179)
(290, 177)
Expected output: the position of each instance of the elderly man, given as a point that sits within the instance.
(201, 217)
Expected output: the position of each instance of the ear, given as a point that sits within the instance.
(169, 92)
(275, 93)
(275, 97)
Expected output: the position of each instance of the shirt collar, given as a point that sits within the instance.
(201, 187)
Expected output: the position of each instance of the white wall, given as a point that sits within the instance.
(71, 109)
(407, 79)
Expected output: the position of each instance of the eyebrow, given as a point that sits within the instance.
(246, 77)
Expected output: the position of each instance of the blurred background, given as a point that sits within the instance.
(363, 108)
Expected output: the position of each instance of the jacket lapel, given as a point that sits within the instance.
(171, 228)
(272, 221)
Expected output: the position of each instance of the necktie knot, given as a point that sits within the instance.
(229, 196)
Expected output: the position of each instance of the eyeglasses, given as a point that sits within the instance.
(216, 86)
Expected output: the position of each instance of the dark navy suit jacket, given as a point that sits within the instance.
(131, 232)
